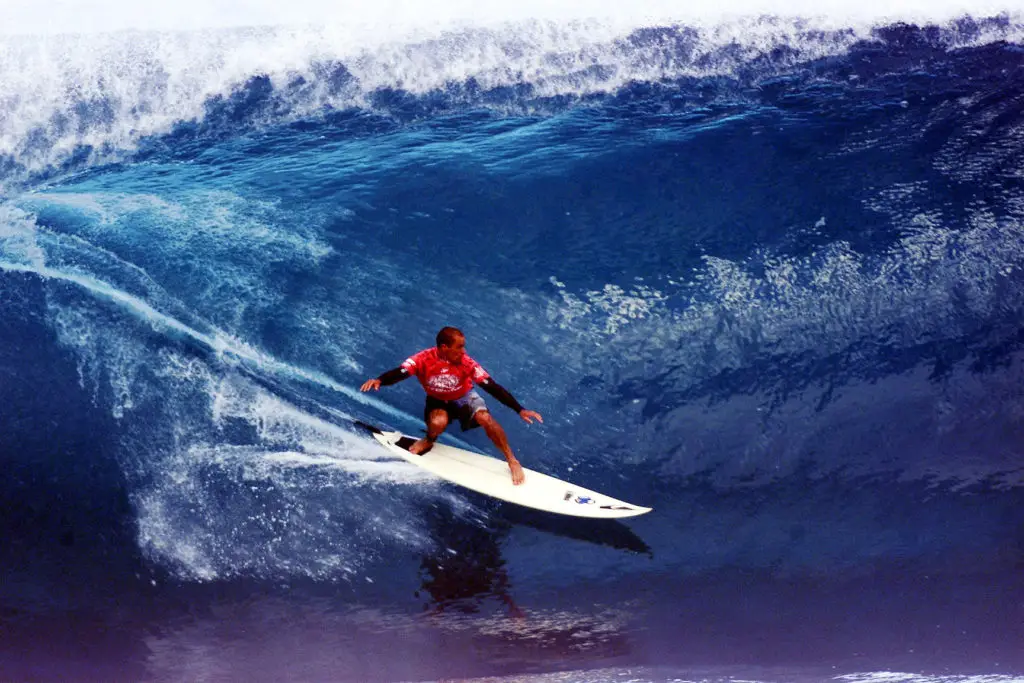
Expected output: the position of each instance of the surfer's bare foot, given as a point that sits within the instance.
(517, 472)
(421, 446)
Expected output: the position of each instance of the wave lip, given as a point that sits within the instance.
(88, 98)
(397, 20)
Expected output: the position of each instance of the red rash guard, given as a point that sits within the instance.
(441, 379)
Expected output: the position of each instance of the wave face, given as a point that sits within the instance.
(764, 275)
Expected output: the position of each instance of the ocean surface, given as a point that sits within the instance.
(763, 274)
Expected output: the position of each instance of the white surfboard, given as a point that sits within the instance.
(491, 477)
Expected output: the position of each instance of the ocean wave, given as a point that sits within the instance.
(728, 313)
(72, 100)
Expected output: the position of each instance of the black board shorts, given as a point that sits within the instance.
(463, 409)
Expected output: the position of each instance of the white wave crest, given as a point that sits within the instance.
(60, 95)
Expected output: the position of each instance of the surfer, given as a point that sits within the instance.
(447, 374)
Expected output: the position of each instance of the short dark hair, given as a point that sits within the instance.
(448, 335)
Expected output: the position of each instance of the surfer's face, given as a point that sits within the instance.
(453, 353)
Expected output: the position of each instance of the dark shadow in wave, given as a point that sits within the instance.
(607, 532)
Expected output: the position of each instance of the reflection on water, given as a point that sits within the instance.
(466, 567)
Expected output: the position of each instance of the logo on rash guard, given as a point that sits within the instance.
(444, 384)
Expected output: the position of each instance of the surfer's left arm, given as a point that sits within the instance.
(502, 394)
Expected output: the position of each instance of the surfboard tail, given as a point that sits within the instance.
(368, 427)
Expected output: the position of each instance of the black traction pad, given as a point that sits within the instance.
(405, 442)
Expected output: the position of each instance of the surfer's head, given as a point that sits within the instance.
(451, 344)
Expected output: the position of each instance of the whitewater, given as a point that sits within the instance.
(760, 266)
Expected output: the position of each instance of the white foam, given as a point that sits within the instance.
(109, 90)
(822, 302)
(397, 17)
(18, 238)
(215, 510)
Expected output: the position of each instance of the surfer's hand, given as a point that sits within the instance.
(530, 415)
(517, 472)
(369, 384)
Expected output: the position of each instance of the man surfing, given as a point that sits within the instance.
(447, 374)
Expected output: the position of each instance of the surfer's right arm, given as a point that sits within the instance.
(388, 378)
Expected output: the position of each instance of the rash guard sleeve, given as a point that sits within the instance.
(501, 393)
(393, 376)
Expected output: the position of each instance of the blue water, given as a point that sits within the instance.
(766, 278)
